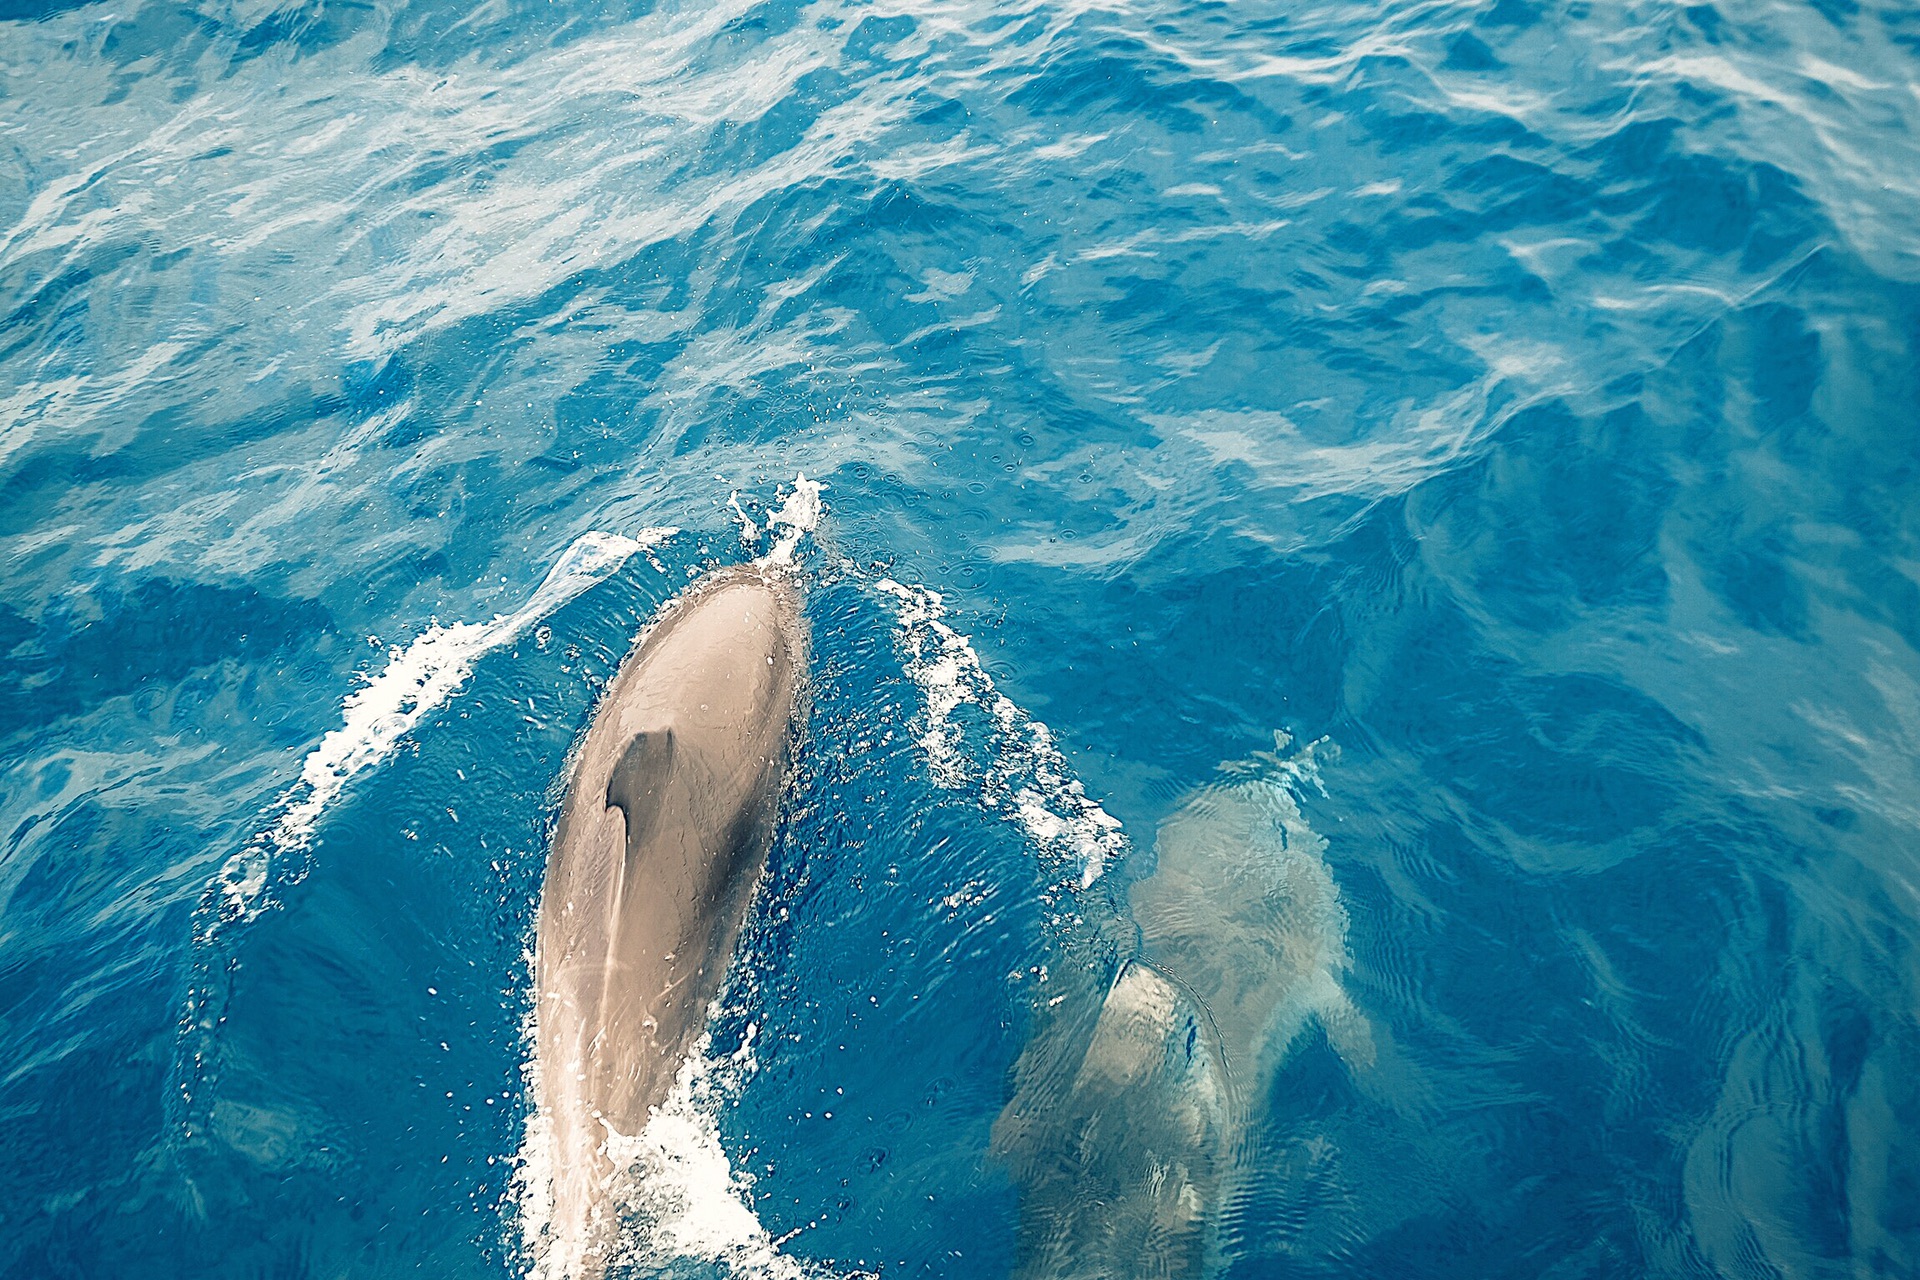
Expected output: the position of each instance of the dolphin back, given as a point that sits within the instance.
(1120, 1136)
(670, 809)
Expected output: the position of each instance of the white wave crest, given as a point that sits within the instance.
(1023, 777)
(416, 679)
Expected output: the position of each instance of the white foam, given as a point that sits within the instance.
(416, 679)
(798, 516)
(685, 1190)
(1023, 776)
(674, 1189)
(749, 531)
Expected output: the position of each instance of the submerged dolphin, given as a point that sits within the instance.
(661, 840)
(1137, 1108)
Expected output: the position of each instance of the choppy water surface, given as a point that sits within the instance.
(1511, 406)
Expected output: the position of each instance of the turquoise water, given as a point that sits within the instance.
(1510, 406)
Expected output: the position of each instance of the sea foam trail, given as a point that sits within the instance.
(674, 1189)
(1023, 777)
(416, 679)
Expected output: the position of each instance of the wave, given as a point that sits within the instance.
(675, 1189)
(1017, 770)
(416, 680)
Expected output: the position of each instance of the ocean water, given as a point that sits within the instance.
(1404, 516)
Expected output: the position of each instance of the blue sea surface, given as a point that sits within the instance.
(1491, 428)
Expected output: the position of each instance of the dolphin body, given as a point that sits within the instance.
(1137, 1108)
(662, 837)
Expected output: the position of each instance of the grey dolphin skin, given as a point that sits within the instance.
(1137, 1108)
(661, 840)
(1120, 1134)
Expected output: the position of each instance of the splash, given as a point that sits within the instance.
(374, 718)
(797, 517)
(676, 1192)
(1024, 777)
(693, 1203)
(749, 530)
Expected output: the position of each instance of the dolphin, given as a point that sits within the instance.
(1137, 1108)
(1120, 1134)
(661, 841)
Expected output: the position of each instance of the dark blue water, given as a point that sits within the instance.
(1518, 402)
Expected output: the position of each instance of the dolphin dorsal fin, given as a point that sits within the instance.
(639, 777)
